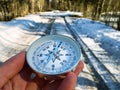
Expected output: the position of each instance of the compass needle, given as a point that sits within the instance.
(53, 54)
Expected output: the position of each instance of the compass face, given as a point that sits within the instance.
(53, 54)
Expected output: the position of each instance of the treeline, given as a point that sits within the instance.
(90, 8)
(13, 8)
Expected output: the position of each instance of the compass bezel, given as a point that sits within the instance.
(41, 41)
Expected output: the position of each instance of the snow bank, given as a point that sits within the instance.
(61, 13)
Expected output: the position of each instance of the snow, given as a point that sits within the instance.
(105, 35)
(95, 34)
(103, 40)
(61, 13)
(100, 33)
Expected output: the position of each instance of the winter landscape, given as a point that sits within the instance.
(100, 44)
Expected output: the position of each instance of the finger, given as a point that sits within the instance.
(32, 86)
(69, 82)
(22, 78)
(54, 77)
(36, 84)
(53, 86)
(79, 68)
(11, 67)
(8, 86)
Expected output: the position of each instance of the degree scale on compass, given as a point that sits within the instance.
(53, 54)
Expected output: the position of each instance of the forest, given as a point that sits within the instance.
(93, 9)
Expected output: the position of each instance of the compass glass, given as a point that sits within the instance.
(53, 54)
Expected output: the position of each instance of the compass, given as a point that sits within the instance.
(53, 54)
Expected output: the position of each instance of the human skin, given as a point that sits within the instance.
(15, 74)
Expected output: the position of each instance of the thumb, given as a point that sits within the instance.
(69, 82)
(11, 67)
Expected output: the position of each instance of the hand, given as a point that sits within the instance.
(15, 74)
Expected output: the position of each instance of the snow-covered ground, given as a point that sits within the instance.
(57, 13)
(99, 37)
(103, 40)
(106, 36)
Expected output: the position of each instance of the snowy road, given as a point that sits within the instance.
(100, 45)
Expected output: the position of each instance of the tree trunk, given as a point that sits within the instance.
(118, 23)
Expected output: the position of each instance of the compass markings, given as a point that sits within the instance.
(53, 67)
(54, 57)
(67, 54)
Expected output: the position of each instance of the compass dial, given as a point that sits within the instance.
(53, 54)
